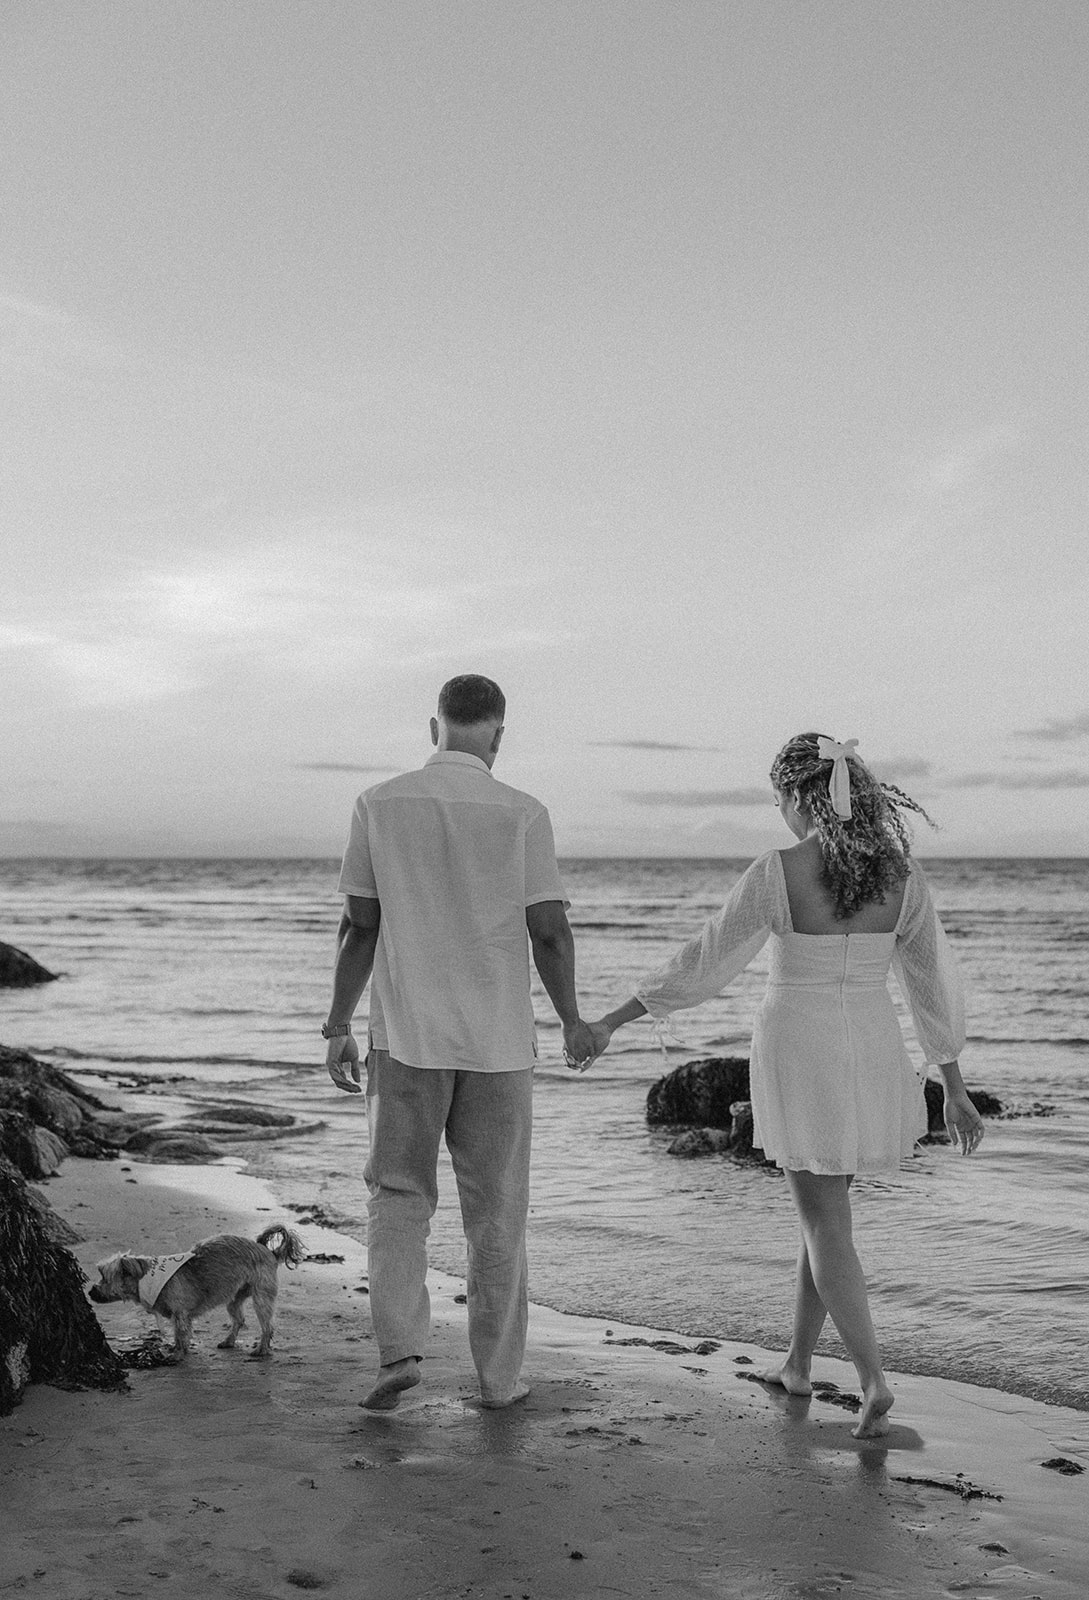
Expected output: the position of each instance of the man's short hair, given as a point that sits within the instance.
(470, 699)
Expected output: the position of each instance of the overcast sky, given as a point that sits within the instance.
(702, 370)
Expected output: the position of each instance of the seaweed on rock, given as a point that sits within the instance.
(48, 1331)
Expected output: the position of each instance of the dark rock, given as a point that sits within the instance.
(113, 1129)
(48, 1331)
(255, 1116)
(19, 1144)
(197, 1123)
(20, 971)
(51, 1151)
(19, 1066)
(34, 1095)
(699, 1142)
(1063, 1464)
(173, 1145)
(699, 1094)
(710, 1098)
(741, 1127)
(45, 1115)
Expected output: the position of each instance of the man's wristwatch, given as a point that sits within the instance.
(336, 1030)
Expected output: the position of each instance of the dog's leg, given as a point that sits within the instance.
(264, 1300)
(183, 1328)
(234, 1311)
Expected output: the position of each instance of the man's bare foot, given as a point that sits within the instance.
(392, 1383)
(786, 1377)
(876, 1405)
(519, 1393)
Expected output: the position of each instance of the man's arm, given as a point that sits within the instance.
(357, 940)
(554, 957)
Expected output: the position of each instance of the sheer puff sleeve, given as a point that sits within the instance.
(724, 946)
(928, 976)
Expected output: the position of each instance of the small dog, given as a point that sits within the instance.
(224, 1271)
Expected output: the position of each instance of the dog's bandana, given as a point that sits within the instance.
(159, 1274)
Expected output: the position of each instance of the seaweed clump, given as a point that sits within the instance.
(48, 1330)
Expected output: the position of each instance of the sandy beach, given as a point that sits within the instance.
(629, 1470)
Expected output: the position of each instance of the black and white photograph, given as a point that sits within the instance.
(544, 799)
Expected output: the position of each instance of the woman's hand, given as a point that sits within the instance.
(602, 1036)
(963, 1122)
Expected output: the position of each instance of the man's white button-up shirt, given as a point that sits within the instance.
(453, 857)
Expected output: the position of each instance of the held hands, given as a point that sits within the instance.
(342, 1060)
(583, 1042)
(963, 1122)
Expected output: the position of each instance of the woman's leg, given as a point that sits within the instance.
(824, 1210)
(810, 1311)
(793, 1373)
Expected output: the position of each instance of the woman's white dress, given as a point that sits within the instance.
(833, 1087)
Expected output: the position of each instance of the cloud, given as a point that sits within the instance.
(19, 309)
(1069, 779)
(1058, 728)
(948, 472)
(367, 586)
(700, 797)
(105, 670)
(649, 744)
(337, 766)
(49, 342)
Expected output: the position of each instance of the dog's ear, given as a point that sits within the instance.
(133, 1267)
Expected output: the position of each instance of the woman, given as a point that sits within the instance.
(833, 1089)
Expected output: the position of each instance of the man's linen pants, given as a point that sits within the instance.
(487, 1119)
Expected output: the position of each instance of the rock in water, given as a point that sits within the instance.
(20, 971)
(700, 1094)
(48, 1331)
(699, 1142)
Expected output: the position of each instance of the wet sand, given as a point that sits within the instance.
(628, 1471)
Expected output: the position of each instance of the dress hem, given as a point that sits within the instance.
(883, 1170)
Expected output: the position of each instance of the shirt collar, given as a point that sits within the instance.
(461, 758)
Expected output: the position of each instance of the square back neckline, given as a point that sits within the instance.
(892, 933)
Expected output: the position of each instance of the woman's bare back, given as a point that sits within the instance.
(812, 906)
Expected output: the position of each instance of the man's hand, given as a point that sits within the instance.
(342, 1060)
(600, 1035)
(578, 1045)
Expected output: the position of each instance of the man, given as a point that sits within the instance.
(444, 870)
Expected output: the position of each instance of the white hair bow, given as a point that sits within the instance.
(839, 782)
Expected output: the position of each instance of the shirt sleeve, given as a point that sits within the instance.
(357, 869)
(928, 975)
(723, 948)
(543, 881)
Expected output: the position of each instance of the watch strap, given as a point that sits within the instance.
(337, 1029)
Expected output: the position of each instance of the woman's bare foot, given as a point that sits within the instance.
(876, 1405)
(519, 1393)
(392, 1383)
(792, 1379)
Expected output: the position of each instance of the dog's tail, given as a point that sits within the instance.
(289, 1252)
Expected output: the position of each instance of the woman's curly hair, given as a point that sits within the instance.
(866, 854)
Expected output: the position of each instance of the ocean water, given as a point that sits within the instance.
(209, 979)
